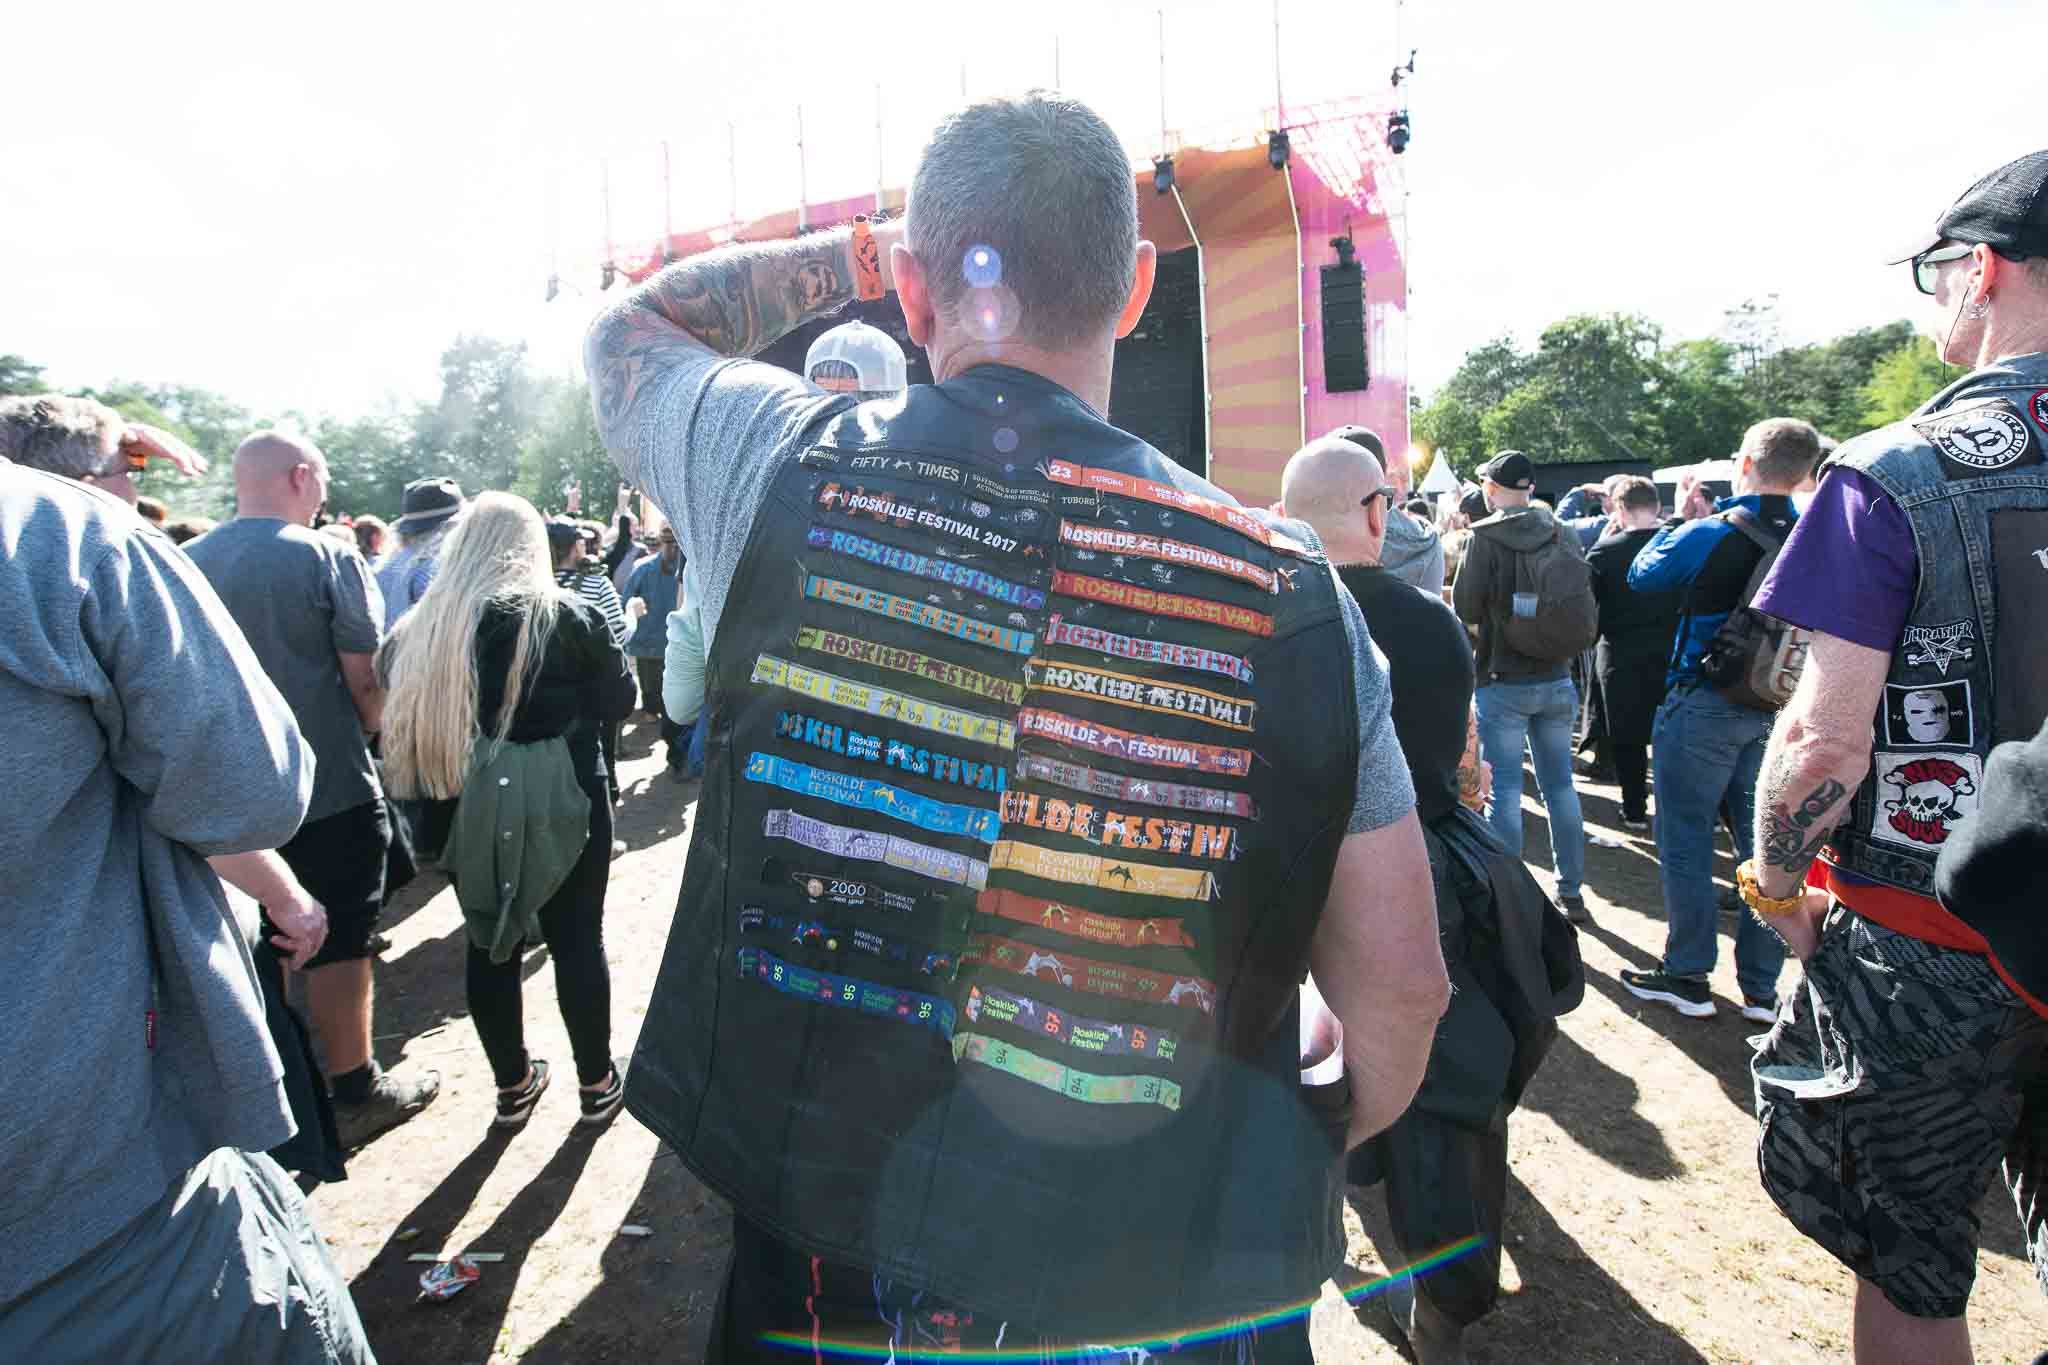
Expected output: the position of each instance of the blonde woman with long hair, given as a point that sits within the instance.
(497, 688)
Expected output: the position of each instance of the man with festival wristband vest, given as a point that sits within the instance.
(1890, 1088)
(1040, 1091)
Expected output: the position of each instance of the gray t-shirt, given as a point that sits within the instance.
(302, 599)
(714, 434)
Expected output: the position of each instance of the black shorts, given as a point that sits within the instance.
(339, 859)
(1889, 1092)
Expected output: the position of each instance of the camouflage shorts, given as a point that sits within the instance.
(1888, 1093)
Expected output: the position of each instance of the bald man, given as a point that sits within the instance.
(313, 616)
(1411, 550)
(1445, 1170)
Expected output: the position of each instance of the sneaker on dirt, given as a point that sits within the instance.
(1575, 910)
(1634, 825)
(394, 1098)
(601, 1106)
(1689, 997)
(1760, 1009)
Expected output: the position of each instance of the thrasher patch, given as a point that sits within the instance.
(1937, 647)
(1921, 797)
(1986, 439)
(1921, 717)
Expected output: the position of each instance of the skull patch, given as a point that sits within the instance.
(1925, 797)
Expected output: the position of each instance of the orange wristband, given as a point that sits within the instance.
(867, 260)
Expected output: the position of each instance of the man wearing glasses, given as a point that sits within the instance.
(1891, 1088)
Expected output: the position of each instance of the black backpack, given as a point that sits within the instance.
(1755, 659)
(1565, 620)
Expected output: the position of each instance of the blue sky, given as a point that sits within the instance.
(301, 207)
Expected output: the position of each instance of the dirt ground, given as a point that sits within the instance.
(1636, 1229)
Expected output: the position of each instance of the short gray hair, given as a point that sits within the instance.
(74, 438)
(1041, 184)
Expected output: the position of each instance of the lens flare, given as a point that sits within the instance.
(993, 313)
(982, 267)
(1005, 440)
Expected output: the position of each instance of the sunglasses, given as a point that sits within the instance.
(1383, 491)
(1924, 272)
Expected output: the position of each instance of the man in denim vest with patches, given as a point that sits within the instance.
(1890, 1088)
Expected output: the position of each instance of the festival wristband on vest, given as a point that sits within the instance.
(843, 891)
(810, 933)
(941, 671)
(881, 702)
(1131, 597)
(1058, 1076)
(1150, 749)
(865, 793)
(893, 753)
(1107, 874)
(1116, 829)
(954, 519)
(1165, 495)
(950, 572)
(1112, 541)
(992, 1003)
(887, 1002)
(1075, 922)
(869, 846)
(1142, 791)
(920, 614)
(1142, 694)
(1085, 974)
(1061, 632)
(948, 475)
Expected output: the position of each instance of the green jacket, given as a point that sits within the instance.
(519, 827)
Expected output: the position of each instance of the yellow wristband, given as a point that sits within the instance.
(1753, 896)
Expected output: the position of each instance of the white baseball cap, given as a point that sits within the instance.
(875, 358)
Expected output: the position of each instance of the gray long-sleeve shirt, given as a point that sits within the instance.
(141, 736)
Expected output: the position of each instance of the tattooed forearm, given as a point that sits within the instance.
(733, 302)
(1792, 837)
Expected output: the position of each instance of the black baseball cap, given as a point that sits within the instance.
(2007, 211)
(1361, 436)
(1510, 469)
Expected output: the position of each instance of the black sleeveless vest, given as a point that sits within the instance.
(1027, 775)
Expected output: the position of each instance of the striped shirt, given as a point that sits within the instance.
(593, 587)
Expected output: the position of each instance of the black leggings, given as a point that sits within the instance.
(572, 922)
(1632, 767)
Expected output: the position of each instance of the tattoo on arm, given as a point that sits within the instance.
(732, 302)
(1792, 838)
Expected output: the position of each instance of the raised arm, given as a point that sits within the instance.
(730, 302)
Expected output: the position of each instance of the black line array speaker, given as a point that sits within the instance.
(1344, 363)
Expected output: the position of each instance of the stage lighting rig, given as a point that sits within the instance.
(607, 275)
(1162, 174)
(1276, 151)
(1347, 251)
(554, 287)
(1398, 132)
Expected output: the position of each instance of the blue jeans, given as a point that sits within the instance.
(1705, 749)
(1540, 713)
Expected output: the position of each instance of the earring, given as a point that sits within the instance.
(1980, 308)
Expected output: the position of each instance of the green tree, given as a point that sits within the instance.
(490, 399)
(564, 449)
(1703, 402)
(1902, 380)
(369, 461)
(18, 376)
(1823, 383)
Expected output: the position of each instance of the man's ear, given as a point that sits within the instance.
(1141, 289)
(1375, 510)
(920, 317)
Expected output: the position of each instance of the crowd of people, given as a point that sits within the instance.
(1107, 873)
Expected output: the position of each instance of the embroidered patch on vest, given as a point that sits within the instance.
(868, 845)
(1085, 974)
(1131, 597)
(847, 992)
(1142, 694)
(1165, 495)
(1106, 874)
(866, 793)
(822, 937)
(1059, 1077)
(1922, 796)
(840, 891)
(899, 754)
(941, 671)
(1116, 829)
(1985, 439)
(2037, 406)
(881, 702)
(1921, 717)
(993, 1004)
(1107, 540)
(949, 572)
(1061, 632)
(1074, 922)
(1148, 749)
(921, 614)
(947, 475)
(955, 523)
(1140, 790)
(1937, 647)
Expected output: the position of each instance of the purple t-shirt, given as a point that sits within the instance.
(1849, 568)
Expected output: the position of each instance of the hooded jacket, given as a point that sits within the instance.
(1486, 582)
(1413, 553)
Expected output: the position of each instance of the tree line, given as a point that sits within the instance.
(1612, 388)
(498, 423)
